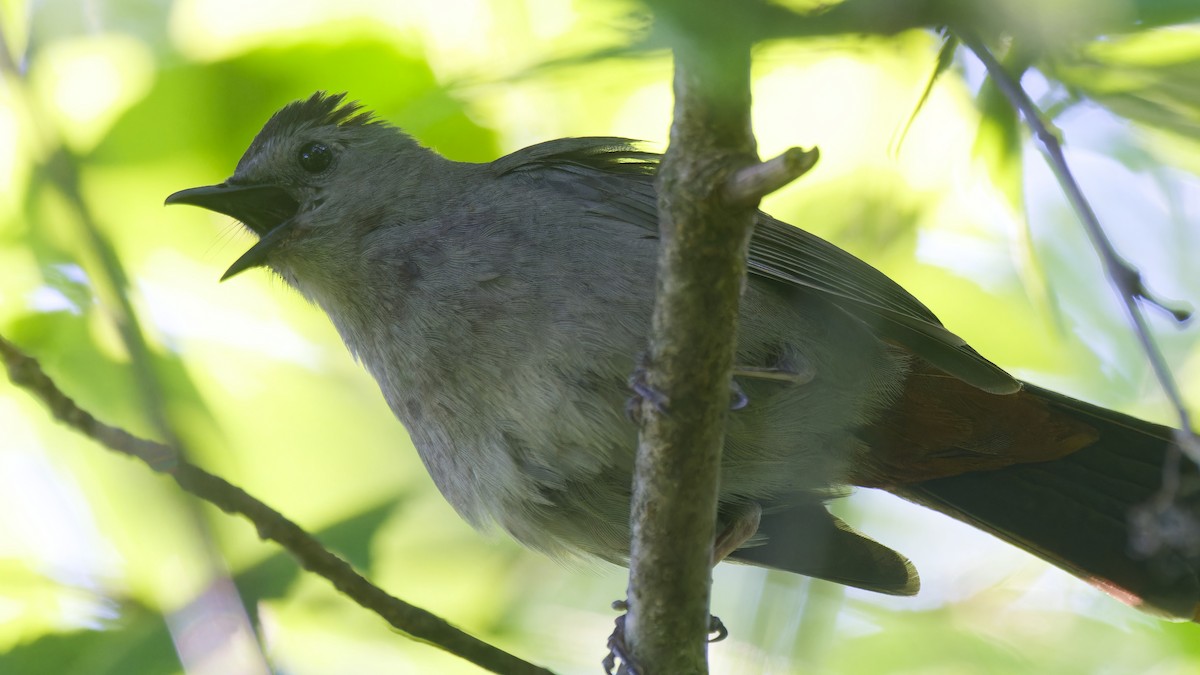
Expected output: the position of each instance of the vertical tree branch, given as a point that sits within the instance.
(700, 274)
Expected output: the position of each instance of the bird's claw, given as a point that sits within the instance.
(618, 662)
(643, 393)
(716, 629)
(740, 400)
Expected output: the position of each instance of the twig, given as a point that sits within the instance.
(60, 167)
(25, 372)
(1124, 277)
(747, 186)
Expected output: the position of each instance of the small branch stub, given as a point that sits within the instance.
(747, 186)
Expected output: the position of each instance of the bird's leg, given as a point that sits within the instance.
(618, 650)
(742, 524)
(793, 371)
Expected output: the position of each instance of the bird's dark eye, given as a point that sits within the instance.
(315, 157)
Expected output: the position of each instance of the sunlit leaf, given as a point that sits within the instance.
(139, 643)
(1151, 78)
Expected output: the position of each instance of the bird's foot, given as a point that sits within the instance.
(643, 393)
(716, 629)
(618, 651)
(618, 661)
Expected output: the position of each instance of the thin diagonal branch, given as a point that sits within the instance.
(1124, 277)
(25, 372)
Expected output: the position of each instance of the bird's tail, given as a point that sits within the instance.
(1075, 512)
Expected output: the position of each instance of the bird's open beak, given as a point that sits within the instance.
(265, 209)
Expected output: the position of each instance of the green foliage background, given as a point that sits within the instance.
(108, 106)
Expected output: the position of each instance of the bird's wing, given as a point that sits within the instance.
(778, 251)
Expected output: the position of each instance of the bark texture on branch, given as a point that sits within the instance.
(700, 274)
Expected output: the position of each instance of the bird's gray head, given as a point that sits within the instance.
(316, 179)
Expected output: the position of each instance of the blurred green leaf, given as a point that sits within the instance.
(998, 142)
(64, 343)
(1152, 78)
(237, 96)
(1155, 13)
(146, 20)
(137, 643)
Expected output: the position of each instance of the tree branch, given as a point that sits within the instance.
(709, 186)
(1125, 278)
(25, 372)
(1161, 514)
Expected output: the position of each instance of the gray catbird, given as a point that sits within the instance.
(501, 308)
